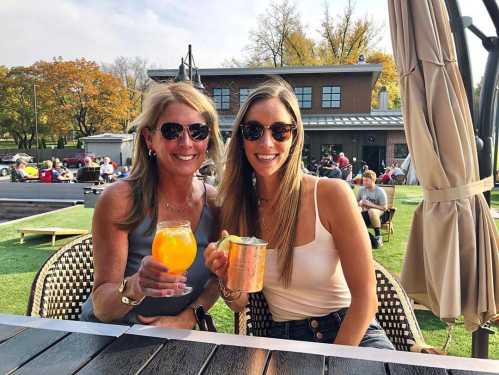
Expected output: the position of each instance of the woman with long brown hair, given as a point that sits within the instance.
(319, 278)
(177, 130)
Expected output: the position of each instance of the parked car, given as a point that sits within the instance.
(11, 158)
(77, 160)
(4, 169)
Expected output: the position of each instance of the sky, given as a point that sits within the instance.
(160, 30)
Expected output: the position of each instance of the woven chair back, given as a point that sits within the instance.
(64, 282)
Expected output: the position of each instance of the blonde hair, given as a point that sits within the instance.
(144, 177)
(237, 193)
(370, 174)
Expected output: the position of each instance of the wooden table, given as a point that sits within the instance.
(42, 346)
(53, 231)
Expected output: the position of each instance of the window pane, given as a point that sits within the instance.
(307, 90)
(326, 104)
(335, 104)
(326, 97)
(216, 91)
(298, 90)
(326, 90)
(307, 97)
(335, 89)
(335, 96)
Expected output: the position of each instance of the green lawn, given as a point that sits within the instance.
(19, 263)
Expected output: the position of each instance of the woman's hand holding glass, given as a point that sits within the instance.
(154, 280)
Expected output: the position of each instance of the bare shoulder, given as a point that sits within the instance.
(116, 199)
(333, 187)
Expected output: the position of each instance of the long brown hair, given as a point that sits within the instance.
(144, 176)
(237, 193)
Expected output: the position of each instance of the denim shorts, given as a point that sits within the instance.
(325, 328)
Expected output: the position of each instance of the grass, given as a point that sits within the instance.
(19, 263)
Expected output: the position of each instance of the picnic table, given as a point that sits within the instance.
(30, 345)
(53, 231)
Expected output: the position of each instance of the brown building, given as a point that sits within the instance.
(335, 102)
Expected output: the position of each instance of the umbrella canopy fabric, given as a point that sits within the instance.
(452, 260)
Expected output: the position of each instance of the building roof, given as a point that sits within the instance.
(108, 137)
(355, 121)
(374, 69)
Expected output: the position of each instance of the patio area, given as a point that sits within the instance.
(20, 262)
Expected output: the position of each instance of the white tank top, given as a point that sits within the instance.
(317, 287)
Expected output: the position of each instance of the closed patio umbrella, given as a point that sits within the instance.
(452, 260)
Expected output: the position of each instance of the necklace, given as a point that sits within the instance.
(179, 208)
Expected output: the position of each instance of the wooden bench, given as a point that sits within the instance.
(53, 231)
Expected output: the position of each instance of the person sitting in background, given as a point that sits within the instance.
(107, 170)
(342, 160)
(60, 174)
(386, 177)
(124, 172)
(346, 173)
(373, 204)
(46, 172)
(19, 174)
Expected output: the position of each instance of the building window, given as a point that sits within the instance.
(221, 98)
(243, 95)
(400, 151)
(304, 96)
(331, 96)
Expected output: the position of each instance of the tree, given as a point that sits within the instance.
(81, 97)
(275, 27)
(133, 75)
(299, 49)
(347, 37)
(17, 115)
(388, 78)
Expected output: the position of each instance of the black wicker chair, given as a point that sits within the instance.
(395, 315)
(64, 282)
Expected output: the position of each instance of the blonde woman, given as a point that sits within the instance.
(177, 130)
(319, 277)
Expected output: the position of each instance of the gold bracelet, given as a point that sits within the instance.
(227, 294)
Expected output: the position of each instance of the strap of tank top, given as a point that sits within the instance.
(317, 218)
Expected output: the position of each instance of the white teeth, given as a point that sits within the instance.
(186, 157)
(266, 157)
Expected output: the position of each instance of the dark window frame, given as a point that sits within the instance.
(222, 99)
(241, 100)
(330, 100)
(300, 96)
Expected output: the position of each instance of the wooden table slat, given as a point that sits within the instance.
(290, 363)
(6, 332)
(66, 356)
(401, 369)
(350, 366)
(126, 355)
(25, 345)
(235, 360)
(179, 357)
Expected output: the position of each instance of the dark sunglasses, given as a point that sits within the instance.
(172, 130)
(253, 130)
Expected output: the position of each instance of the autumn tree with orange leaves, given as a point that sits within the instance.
(79, 96)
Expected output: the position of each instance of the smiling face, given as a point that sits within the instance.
(181, 156)
(267, 155)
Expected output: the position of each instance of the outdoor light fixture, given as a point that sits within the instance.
(184, 75)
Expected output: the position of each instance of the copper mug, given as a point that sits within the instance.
(246, 264)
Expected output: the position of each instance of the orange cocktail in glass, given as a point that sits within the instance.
(175, 246)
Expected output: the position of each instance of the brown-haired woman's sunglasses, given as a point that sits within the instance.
(253, 130)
